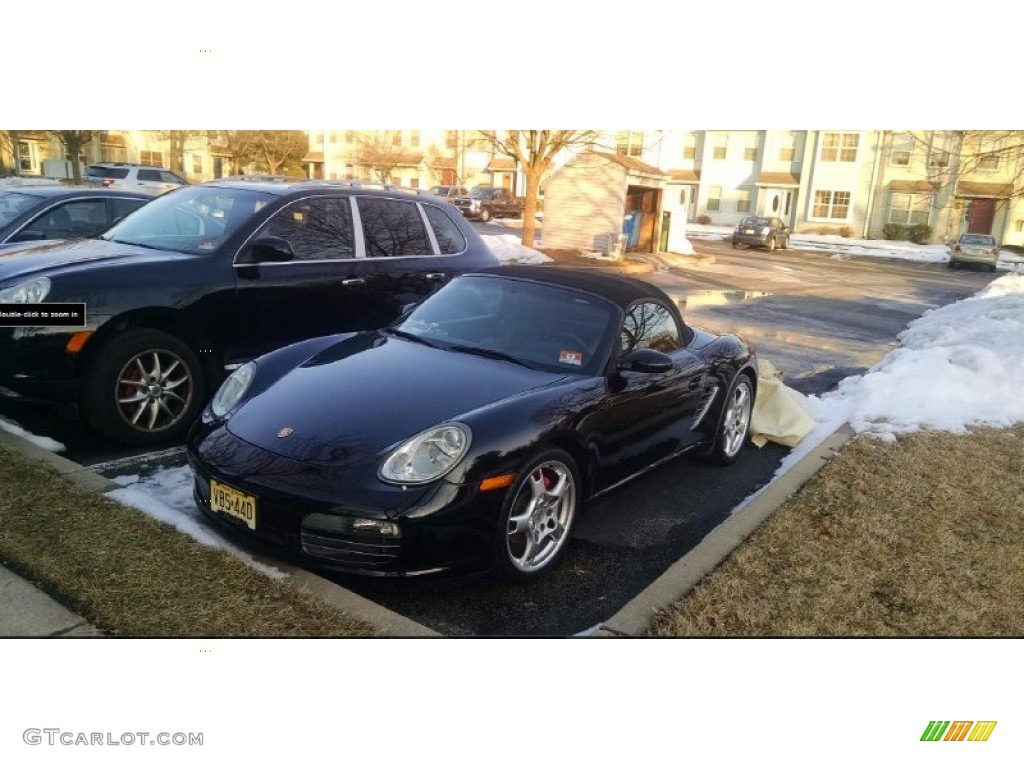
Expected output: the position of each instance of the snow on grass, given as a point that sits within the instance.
(166, 496)
(510, 250)
(957, 366)
(43, 442)
(849, 246)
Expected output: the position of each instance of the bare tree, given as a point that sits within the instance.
(10, 144)
(177, 140)
(535, 151)
(270, 151)
(74, 142)
(381, 152)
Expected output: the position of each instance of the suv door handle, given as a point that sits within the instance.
(435, 276)
(353, 281)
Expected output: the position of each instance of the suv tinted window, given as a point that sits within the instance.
(392, 228)
(317, 228)
(171, 178)
(449, 237)
(649, 325)
(100, 172)
(125, 205)
(147, 175)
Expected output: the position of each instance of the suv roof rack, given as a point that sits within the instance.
(365, 184)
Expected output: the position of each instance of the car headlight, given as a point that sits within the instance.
(232, 390)
(30, 292)
(427, 456)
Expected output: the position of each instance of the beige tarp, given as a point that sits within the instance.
(780, 414)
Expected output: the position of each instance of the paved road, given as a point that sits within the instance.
(815, 317)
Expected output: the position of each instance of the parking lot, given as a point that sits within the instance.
(815, 317)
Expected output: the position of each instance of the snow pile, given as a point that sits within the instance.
(510, 250)
(43, 442)
(167, 497)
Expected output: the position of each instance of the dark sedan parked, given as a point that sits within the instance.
(486, 203)
(761, 232)
(208, 276)
(54, 213)
(469, 432)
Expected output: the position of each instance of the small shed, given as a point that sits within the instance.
(587, 200)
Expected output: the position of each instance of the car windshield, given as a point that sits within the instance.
(753, 221)
(442, 191)
(13, 204)
(977, 240)
(482, 193)
(190, 220)
(540, 326)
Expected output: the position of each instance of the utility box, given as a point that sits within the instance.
(57, 169)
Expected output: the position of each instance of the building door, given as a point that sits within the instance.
(980, 215)
(778, 203)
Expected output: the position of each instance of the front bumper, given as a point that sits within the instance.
(299, 508)
(34, 362)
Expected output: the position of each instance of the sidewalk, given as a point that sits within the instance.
(27, 611)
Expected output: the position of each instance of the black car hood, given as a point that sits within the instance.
(25, 261)
(355, 398)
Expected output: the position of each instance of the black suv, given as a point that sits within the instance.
(485, 203)
(207, 276)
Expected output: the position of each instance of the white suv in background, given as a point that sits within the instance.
(136, 178)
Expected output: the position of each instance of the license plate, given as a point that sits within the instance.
(748, 231)
(234, 503)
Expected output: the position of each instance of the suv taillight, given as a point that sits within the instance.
(107, 182)
(957, 247)
(994, 252)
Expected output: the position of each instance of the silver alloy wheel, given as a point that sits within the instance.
(541, 516)
(736, 419)
(154, 390)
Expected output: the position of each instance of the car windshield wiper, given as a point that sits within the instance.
(491, 353)
(413, 337)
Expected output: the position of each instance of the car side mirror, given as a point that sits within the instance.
(269, 248)
(407, 308)
(646, 361)
(28, 234)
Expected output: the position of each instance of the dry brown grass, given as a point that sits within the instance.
(131, 575)
(920, 538)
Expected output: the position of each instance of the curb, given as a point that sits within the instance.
(633, 619)
(387, 622)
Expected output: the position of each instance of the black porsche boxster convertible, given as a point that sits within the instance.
(470, 431)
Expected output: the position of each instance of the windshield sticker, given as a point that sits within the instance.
(569, 357)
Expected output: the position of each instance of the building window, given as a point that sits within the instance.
(414, 182)
(24, 157)
(902, 149)
(690, 148)
(839, 147)
(721, 147)
(318, 139)
(197, 164)
(629, 143)
(831, 205)
(396, 139)
(151, 158)
(750, 153)
(939, 153)
(714, 199)
(451, 139)
(905, 208)
(988, 158)
(350, 137)
(333, 137)
(396, 180)
(414, 138)
(1019, 224)
(743, 200)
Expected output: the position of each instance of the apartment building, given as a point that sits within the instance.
(849, 182)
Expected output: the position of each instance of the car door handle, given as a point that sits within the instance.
(435, 276)
(351, 282)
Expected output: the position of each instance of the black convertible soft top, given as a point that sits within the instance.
(619, 289)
